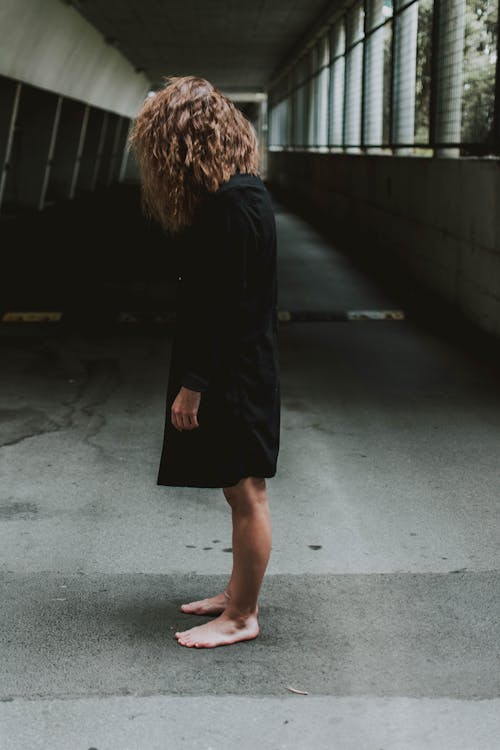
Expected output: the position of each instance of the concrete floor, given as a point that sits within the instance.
(382, 597)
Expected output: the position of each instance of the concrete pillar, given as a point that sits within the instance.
(373, 114)
(89, 163)
(404, 72)
(33, 147)
(448, 73)
(10, 94)
(69, 144)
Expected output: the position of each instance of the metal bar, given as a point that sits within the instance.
(100, 147)
(344, 92)
(391, 100)
(50, 155)
(434, 68)
(125, 154)
(363, 77)
(79, 152)
(114, 151)
(495, 136)
(10, 140)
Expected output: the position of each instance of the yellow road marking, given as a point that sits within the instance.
(31, 317)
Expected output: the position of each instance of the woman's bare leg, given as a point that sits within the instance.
(215, 605)
(251, 551)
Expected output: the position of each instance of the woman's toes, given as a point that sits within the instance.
(185, 639)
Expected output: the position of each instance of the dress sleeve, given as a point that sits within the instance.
(212, 287)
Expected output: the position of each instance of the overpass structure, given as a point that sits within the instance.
(379, 129)
(381, 117)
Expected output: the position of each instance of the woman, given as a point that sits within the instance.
(198, 157)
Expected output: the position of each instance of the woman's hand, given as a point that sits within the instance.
(185, 409)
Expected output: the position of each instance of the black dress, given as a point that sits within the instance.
(226, 341)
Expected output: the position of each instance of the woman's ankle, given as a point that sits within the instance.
(240, 614)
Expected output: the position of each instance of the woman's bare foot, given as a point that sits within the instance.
(215, 605)
(222, 631)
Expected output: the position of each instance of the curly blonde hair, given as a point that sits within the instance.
(189, 138)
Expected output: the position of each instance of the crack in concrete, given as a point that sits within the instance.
(101, 377)
(51, 426)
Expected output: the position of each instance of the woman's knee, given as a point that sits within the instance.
(247, 494)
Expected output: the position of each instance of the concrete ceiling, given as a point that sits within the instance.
(237, 45)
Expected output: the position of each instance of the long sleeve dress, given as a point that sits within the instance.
(226, 341)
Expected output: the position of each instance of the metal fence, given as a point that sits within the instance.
(398, 77)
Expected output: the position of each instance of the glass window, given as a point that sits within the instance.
(336, 84)
(377, 73)
(353, 76)
(480, 57)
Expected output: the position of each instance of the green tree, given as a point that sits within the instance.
(480, 53)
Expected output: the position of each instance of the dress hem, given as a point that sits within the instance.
(214, 485)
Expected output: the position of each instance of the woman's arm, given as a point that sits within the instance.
(211, 288)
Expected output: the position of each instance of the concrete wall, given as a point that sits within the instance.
(48, 44)
(53, 148)
(439, 216)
